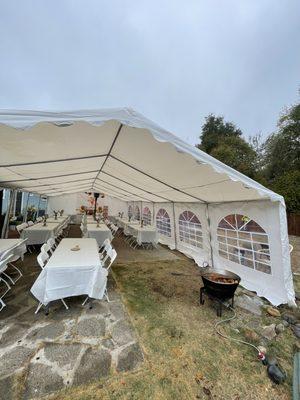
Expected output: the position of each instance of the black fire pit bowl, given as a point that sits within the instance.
(220, 290)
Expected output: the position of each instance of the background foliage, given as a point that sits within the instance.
(274, 162)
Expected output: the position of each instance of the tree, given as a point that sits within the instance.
(288, 185)
(223, 140)
(238, 154)
(282, 149)
(282, 158)
(215, 130)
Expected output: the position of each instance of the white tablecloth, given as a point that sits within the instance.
(71, 273)
(59, 220)
(39, 234)
(123, 224)
(147, 234)
(6, 244)
(99, 233)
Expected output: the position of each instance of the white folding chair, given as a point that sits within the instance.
(114, 230)
(3, 266)
(59, 235)
(46, 248)
(109, 259)
(105, 243)
(83, 231)
(105, 251)
(52, 244)
(111, 256)
(14, 257)
(42, 259)
(20, 228)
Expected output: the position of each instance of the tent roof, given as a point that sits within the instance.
(115, 151)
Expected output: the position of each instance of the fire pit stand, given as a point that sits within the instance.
(219, 302)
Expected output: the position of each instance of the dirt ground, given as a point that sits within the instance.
(184, 357)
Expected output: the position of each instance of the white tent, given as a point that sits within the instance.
(201, 207)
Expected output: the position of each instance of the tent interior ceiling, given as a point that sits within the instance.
(114, 158)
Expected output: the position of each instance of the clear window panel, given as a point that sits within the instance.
(263, 267)
(247, 242)
(247, 262)
(233, 258)
(163, 224)
(190, 230)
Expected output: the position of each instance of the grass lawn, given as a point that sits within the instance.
(184, 357)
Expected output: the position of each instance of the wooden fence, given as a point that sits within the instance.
(293, 224)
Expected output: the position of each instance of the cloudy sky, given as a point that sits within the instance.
(174, 61)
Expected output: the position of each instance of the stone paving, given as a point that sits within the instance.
(41, 354)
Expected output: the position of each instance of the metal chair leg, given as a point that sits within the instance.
(17, 269)
(106, 295)
(8, 287)
(8, 277)
(64, 303)
(85, 301)
(2, 304)
(38, 308)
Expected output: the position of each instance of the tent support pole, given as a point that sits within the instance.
(48, 177)
(118, 187)
(136, 187)
(109, 152)
(153, 216)
(38, 209)
(5, 228)
(25, 214)
(46, 206)
(52, 161)
(174, 224)
(209, 236)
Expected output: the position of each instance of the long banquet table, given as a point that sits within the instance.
(39, 234)
(59, 220)
(124, 223)
(6, 244)
(145, 234)
(71, 273)
(100, 233)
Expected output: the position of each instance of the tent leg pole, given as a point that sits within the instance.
(25, 214)
(209, 236)
(174, 225)
(153, 212)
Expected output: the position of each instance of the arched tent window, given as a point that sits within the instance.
(163, 222)
(243, 241)
(130, 211)
(137, 214)
(147, 216)
(190, 229)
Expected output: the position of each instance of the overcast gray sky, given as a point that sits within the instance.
(173, 61)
